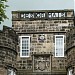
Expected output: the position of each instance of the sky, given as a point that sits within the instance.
(35, 5)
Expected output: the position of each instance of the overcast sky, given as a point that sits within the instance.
(36, 5)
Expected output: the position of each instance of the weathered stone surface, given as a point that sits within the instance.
(8, 50)
(42, 30)
(70, 50)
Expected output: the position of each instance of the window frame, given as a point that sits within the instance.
(22, 46)
(62, 46)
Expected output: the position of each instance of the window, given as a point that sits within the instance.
(59, 45)
(24, 46)
(70, 72)
(11, 72)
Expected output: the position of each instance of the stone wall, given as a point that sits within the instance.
(8, 50)
(71, 50)
(42, 58)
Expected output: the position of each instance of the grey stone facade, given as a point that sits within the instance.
(70, 51)
(8, 50)
(45, 23)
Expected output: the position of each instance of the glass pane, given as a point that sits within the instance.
(25, 46)
(59, 46)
